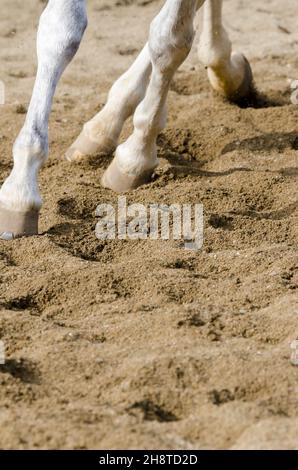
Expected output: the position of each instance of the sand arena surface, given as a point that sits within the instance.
(143, 344)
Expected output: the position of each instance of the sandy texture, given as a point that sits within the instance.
(143, 344)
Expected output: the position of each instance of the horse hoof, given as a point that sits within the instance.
(247, 87)
(17, 224)
(84, 146)
(121, 182)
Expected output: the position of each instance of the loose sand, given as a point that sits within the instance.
(144, 344)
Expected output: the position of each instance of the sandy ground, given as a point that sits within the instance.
(144, 344)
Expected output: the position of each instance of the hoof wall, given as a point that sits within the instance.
(17, 224)
(84, 147)
(120, 182)
(247, 87)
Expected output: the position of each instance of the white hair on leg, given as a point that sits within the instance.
(100, 135)
(229, 72)
(170, 41)
(61, 28)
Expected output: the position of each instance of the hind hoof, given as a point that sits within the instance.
(247, 86)
(120, 182)
(17, 224)
(84, 146)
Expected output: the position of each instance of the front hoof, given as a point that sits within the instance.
(84, 146)
(17, 224)
(118, 181)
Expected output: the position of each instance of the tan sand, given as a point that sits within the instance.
(143, 344)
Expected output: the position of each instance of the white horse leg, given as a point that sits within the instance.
(61, 28)
(170, 41)
(229, 73)
(100, 135)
